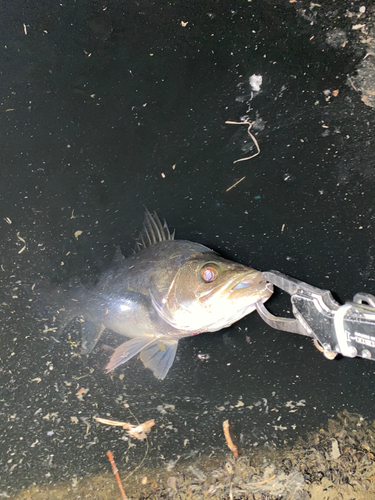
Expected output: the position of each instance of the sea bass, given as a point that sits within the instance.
(167, 290)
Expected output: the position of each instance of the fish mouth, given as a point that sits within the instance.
(256, 282)
(250, 284)
(237, 298)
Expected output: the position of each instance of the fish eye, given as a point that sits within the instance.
(209, 273)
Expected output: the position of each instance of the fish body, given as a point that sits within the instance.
(169, 289)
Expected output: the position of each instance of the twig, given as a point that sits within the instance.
(233, 448)
(250, 124)
(139, 432)
(115, 472)
(235, 184)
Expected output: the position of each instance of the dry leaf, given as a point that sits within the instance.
(137, 431)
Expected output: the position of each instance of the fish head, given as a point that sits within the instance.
(208, 293)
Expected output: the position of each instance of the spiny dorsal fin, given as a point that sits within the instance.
(153, 232)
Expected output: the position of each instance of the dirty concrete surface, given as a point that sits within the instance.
(110, 107)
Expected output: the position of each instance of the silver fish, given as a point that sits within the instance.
(167, 290)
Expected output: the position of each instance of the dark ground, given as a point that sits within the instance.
(334, 463)
(110, 107)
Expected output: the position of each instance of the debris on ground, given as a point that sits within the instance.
(333, 463)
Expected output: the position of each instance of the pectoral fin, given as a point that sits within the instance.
(157, 354)
(127, 350)
(159, 357)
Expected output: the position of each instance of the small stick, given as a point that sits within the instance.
(233, 448)
(235, 184)
(115, 472)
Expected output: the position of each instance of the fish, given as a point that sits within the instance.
(167, 290)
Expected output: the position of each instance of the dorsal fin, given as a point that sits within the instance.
(153, 232)
(118, 257)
